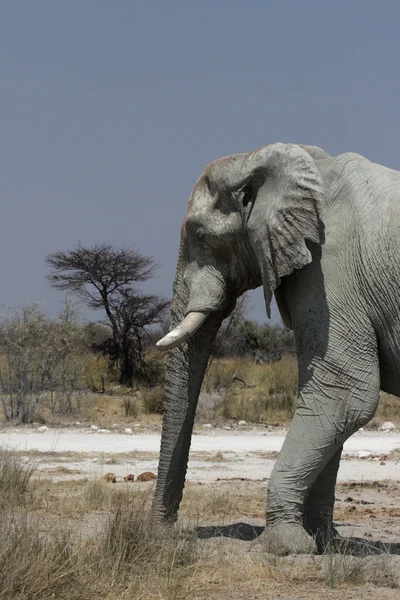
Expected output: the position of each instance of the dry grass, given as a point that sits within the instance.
(223, 502)
(240, 389)
(89, 540)
(268, 395)
(14, 478)
(388, 410)
(152, 400)
(43, 554)
(343, 568)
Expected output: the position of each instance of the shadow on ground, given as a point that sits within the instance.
(341, 545)
(237, 531)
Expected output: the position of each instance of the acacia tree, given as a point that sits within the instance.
(107, 278)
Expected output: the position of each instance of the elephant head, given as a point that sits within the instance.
(247, 223)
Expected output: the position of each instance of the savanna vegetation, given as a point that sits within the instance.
(52, 370)
(56, 369)
(89, 539)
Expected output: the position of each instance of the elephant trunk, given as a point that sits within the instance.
(186, 365)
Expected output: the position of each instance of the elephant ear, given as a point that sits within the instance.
(286, 211)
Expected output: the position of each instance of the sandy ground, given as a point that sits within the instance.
(216, 454)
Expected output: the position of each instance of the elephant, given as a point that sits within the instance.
(321, 233)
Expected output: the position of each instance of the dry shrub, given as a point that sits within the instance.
(97, 372)
(42, 363)
(131, 407)
(153, 400)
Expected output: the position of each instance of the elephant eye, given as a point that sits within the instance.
(247, 194)
(200, 235)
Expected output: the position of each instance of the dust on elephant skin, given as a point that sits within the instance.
(321, 234)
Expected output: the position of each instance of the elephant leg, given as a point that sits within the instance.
(318, 510)
(338, 398)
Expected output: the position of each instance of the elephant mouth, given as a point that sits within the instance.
(186, 328)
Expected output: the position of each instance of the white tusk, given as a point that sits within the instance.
(190, 324)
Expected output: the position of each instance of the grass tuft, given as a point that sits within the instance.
(14, 478)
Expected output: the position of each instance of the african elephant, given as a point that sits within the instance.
(322, 234)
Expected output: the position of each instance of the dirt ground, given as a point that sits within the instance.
(224, 506)
(367, 513)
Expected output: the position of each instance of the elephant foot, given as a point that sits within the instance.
(287, 538)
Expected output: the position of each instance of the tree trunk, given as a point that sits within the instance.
(126, 365)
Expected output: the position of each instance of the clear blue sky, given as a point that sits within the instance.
(109, 110)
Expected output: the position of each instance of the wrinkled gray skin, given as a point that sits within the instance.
(322, 233)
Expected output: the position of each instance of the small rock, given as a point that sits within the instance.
(382, 463)
(364, 454)
(207, 426)
(110, 477)
(242, 423)
(128, 431)
(227, 427)
(95, 459)
(387, 426)
(43, 428)
(103, 431)
(146, 476)
(129, 477)
(108, 461)
(115, 425)
(77, 423)
(94, 427)
(137, 425)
